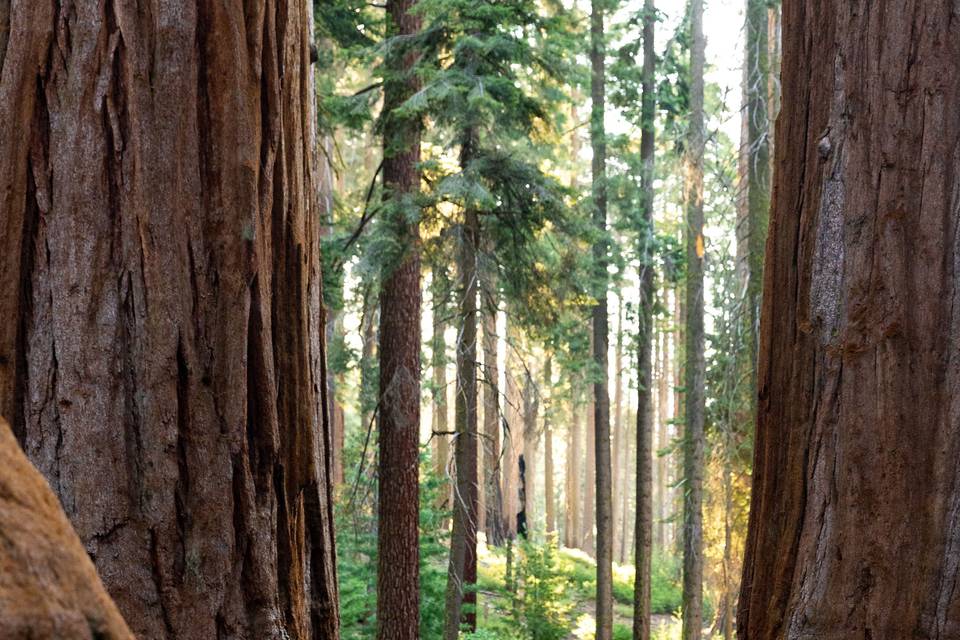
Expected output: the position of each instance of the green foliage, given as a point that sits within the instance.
(622, 632)
(540, 609)
(357, 554)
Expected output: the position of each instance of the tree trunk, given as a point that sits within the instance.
(855, 524)
(549, 496)
(621, 507)
(693, 460)
(368, 359)
(48, 585)
(398, 504)
(574, 454)
(531, 437)
(604, 499)
(489, 308)
(438, 354)
(643, 526)
(587, 519)
(619, 460)
(663, 436)
(513, 438)
(325, 179)
(462, 573)
(160, 258)
(753, 214)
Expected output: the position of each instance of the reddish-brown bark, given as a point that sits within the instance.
(159, 254)
(855, 523)
(398, 543)
(48, 586)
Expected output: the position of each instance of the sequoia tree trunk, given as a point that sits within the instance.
(48, 585)
(160, 261)
(695, 369)
(398, 504)
(855, 523)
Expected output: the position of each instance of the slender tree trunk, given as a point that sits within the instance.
(514, 434)
(549, 496)
(325, 180)
(728, 596)
(694, 379)
(462, 573)
(604, 499)
(623, 507)
(755, 187)
(618, 459)
(643, 527)
(368, 359)
(663, 438)
(531, 438)
(855, 523)
(162, 360)
(587, 519)
(398, 541)
(574, 455)
(438, 354)
(491, 406)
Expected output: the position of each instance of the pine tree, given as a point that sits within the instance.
(643, 527)
(398, 549)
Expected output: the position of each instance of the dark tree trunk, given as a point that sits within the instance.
(601, 329)
(572, 537)
(48, 586)
(462, 572)
(643, 527)
(531, 437)
(493, 504)
(695, 374)
(398, 544)
(619, 461)
(855, 524)
(160, 260)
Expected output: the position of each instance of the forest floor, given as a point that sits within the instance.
(575, 604)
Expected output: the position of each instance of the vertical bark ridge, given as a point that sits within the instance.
(179, 144)
(858, 365)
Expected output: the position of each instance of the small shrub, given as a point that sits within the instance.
(541, 611)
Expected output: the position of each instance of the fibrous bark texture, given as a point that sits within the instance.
(159, 257)
(48, 586)
(398, 503)
(855, 523)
